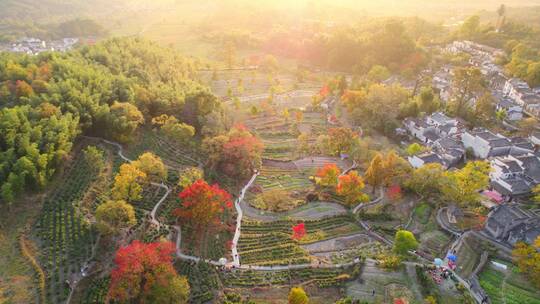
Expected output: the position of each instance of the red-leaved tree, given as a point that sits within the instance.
(144, 273)
(299, 231)
(324, 91)
(394, 192)
(350, 186)
(202, 205)
(236, 154)
(328, 175)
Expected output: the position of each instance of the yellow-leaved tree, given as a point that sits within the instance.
(152, 166)
(112, 216)
(462, 186)
(127, 183)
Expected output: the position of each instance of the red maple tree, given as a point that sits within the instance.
(325, 90)
(299, 231)
(202, 205)
(142, 270)
(241, 153)
(394, 192)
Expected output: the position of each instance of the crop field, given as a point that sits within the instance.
(171, 154)
(434, 242)
(65, 238)
(278, 135)
(322, 277)
(203, 280)
(271, 244)
(504, 286)
(96, 293)
(285, 179)
(245, 82)
(469, 257)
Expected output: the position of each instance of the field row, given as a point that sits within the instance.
(64, 237)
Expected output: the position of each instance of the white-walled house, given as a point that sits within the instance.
(515, 175)
(484, 143)
(535, 138)
(418, 161)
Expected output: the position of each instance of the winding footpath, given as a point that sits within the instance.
(370, 203)
(236, 238)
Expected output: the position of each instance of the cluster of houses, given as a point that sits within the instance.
(33, 46)
(441, 134)
(515, 161)
(515, 170)
(512, 95)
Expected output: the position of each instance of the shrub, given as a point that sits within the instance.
(275, 200)
(389, 261)
(297, 295)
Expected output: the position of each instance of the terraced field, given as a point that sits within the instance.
(279, 135)
(203, 281)
(270, 243)
(171, 154)
(285, 179)
(322, 277)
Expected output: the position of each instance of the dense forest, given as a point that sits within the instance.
(104, 90)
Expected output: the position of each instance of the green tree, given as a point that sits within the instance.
(533, 74)
(427, 180)
(269, 64)
(527, 258)
(94, 158)
(485, 109)
(404, 241)
(536, 193)
(174, 130)
(414, 149)
(297, 295)
(378, 73)
(427, 101)
(189, 176)
(467, 83)
(112, 216)
(528, 125)
(469, 29)
(122, 121)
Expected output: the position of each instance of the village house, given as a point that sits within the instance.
(520, 93)
(441, 82)
(515, 175)
(430, 157)
(514, 112)
(483, 143)
(509, 224)
(535, 138)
